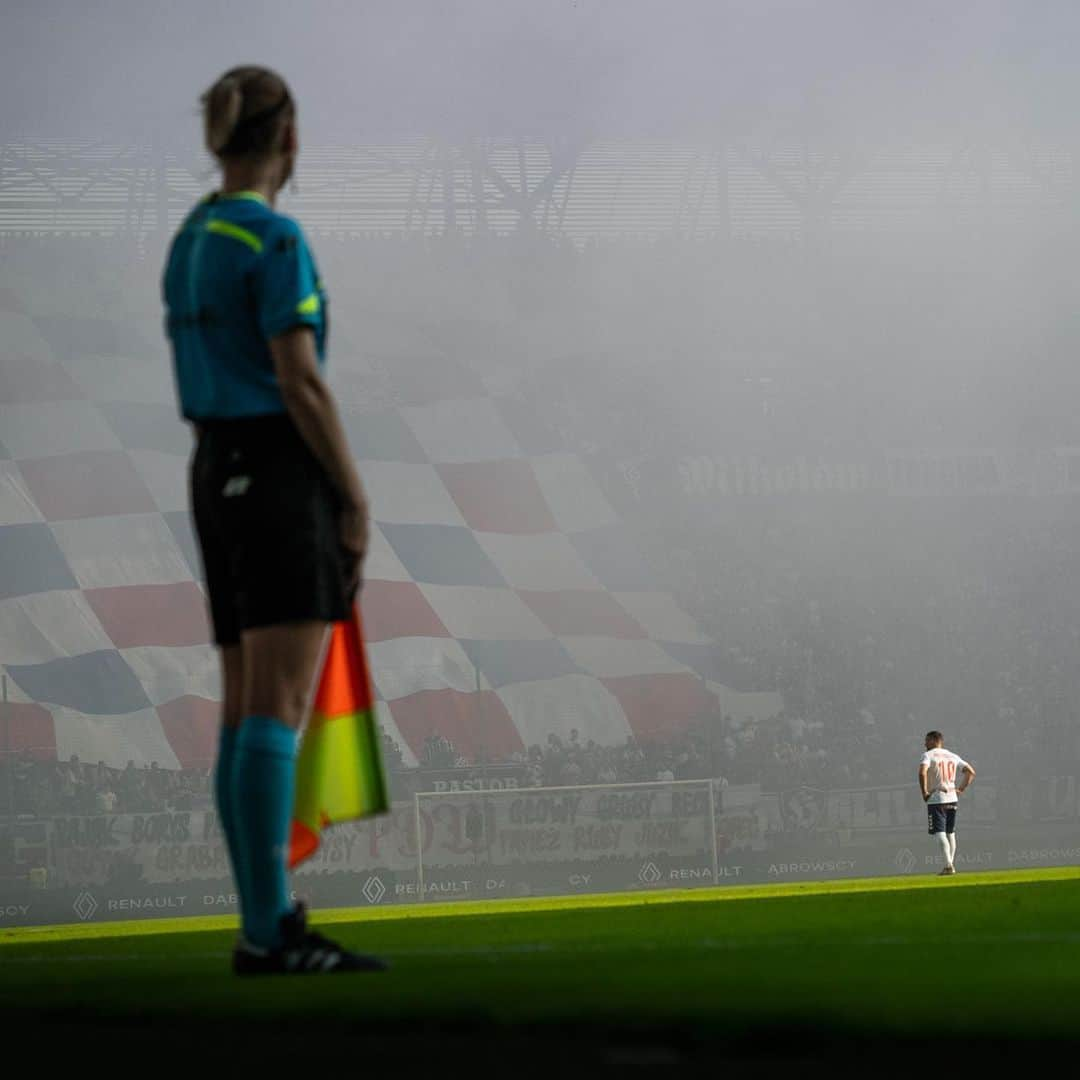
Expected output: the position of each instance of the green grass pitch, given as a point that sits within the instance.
(987, 961)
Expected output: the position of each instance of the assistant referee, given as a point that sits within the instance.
(279, 510)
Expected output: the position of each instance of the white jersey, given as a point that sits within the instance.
(941, 768)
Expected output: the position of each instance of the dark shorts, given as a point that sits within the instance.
(941, 817)
(267, 520)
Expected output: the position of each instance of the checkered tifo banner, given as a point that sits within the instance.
(504, 600)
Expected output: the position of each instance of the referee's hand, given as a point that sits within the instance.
(353, 537)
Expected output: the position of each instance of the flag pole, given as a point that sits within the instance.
(9, 765)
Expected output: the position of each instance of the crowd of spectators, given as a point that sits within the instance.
(573, 761)
(779, 752)
(72, 787)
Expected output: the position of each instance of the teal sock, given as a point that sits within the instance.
(224, 775)
(263, 781)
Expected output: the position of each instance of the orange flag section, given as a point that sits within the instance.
(339, 773)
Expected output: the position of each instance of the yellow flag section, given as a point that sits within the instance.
(339, 774)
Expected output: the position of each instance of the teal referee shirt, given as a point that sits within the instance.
(237, 275)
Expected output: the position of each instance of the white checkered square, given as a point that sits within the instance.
(130, 549)
(542, 561)
(409, 494)
(484, 613)
(48, 625)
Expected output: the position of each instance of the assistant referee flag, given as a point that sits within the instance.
(339, 774)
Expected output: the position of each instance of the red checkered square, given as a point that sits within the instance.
(498, 496)
(93, 484)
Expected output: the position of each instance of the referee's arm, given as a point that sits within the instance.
(311, 406)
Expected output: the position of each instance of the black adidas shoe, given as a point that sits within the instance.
(304, 952)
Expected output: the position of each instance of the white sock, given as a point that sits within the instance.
(952, 848)
(946, 847)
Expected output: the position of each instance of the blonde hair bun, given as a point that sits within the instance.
(223, 103)
(244, 110)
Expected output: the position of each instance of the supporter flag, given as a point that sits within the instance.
(339, 775)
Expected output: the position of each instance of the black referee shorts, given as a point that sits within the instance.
(941, 817)
(267, 520)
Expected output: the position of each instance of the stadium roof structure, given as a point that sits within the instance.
(786, 189)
